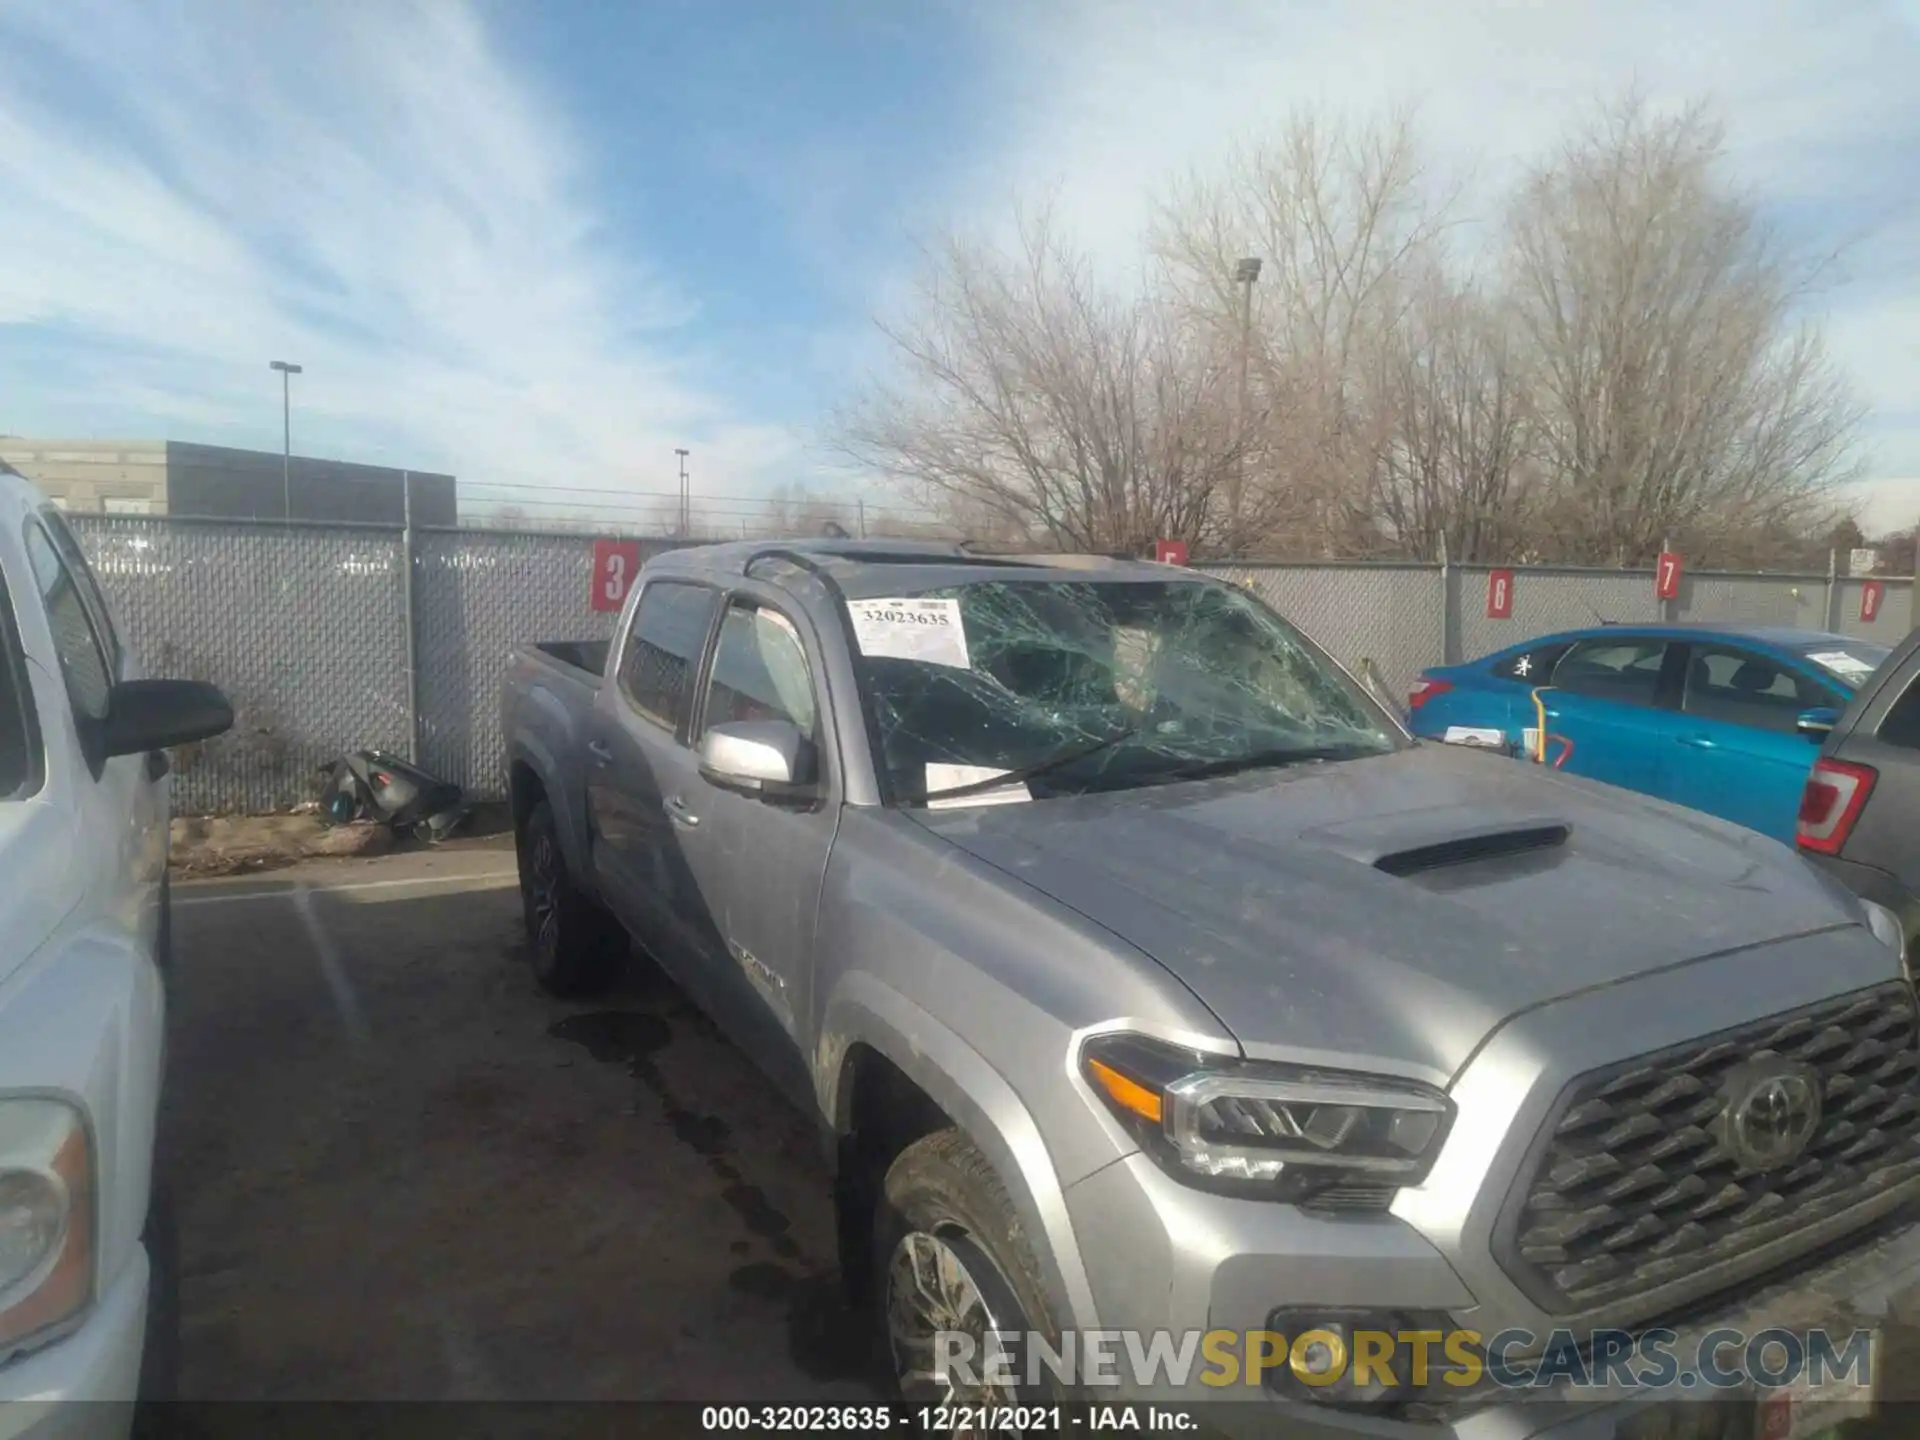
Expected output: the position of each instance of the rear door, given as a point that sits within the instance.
(639, 770)
(1736, 752)
(1609, 709)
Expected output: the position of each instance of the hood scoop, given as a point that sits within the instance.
(1419, 841)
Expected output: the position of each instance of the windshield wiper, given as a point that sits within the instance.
(1031, 772)
(1263, 759)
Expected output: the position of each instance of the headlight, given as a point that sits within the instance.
(46, 1220)
(1277, 1131)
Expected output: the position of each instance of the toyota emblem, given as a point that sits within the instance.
(1772, 1112)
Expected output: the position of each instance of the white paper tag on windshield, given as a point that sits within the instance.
(952, 777)
(911, 629)
(1848, 667)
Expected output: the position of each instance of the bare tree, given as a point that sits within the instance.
(1049, 406)
(1630, 371)
(1457, 461)
(1672, 393)
(795, 510)
(1349, 232)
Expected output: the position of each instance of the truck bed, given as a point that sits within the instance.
(587, 655)
(546, 707)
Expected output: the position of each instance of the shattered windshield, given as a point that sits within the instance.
(996, 690)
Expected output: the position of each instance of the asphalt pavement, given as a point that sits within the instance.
(403, 1173)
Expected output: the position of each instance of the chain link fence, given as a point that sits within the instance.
(1387, 615)
(308, 630)
(477, 594)
(304, 629)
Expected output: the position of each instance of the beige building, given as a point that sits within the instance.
(174, 477)
(113, 477)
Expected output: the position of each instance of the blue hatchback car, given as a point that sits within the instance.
(1724, 718)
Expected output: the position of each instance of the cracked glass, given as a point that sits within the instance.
(1069, 686)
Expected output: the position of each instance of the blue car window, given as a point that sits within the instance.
(1744, 687)
(1623, 670)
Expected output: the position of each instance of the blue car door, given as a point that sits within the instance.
(1608, 709)
(1735, 751)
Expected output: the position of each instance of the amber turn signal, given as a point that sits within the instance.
(1127, 1094)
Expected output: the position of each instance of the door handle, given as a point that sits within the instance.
(600, 751)
(680, 815)
(1696, 742)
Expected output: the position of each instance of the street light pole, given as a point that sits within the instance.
(1244, 274)
(686, 518)
(287, 372)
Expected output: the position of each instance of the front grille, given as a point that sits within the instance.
(1633, 1188)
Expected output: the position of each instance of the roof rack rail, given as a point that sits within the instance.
(781, 552)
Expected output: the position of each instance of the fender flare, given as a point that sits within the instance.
(864, 1010)
(531, 752)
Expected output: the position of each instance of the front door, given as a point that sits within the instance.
(122, 797)
(757, 865)
(1736, 753)
(1606, 710)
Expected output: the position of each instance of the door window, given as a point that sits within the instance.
(91, 595)
(19, 744)
(1902, 724)
(83, 660)
(663, 649)
(1624, 670)
(1744, 687)
(760, 671)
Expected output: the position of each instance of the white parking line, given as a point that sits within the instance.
(344, 999)
(478, 882)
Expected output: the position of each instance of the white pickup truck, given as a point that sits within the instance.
(83, 948)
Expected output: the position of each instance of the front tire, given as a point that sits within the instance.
(950, 1254)
(577, 948)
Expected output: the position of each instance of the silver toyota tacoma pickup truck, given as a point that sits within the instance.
(1149, 979)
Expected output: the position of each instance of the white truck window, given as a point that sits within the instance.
(18, 742)
(75, 561)
(83, 660)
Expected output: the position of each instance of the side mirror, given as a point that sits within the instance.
(145, 715)
(763, 758)
(1816, 724)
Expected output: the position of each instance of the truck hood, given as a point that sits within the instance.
(39, 878)
(1399, 908)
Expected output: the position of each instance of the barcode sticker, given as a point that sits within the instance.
(911, 629)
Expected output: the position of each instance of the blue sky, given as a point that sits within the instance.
(544, 243)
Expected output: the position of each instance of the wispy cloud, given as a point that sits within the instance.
(374, 191)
